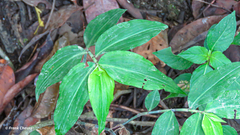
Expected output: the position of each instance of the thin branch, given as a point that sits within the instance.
(131, 110)
(50, 16)
(214, 5)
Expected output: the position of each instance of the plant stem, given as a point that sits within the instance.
(92, 56)
(162, 111)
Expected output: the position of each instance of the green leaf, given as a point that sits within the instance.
(236, 40)
(205, 41)
(173, 61)
(211, 127)
(73, 95)
(196, 54)
(222, 35)
(100, 24)
(183, 82)
(215, 117)
(218, 59)
(228, 130)
(226, 105)
(133, 69)
(193, 125)
(201, 70)
(58, 66)
(128, 35)
(152, 100)
(100, 88)
(166, 125)
(209, 86)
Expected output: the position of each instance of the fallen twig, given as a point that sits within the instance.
(50, 16)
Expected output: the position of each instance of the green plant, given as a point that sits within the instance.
(82, 81)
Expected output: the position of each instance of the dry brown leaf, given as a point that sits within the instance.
(97, 7)
(47, 102)
(14, 90)
(196, 6)
(227, 4)
(157, 43)
(61, 16)
(130, 9)
(190, 31)
(7, 78)
(237, 8)
(24, 120)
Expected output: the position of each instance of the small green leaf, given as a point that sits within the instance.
(196, 54)
(226, 105)
(174, 61)
(133, 69)
(209, 86)
(236, 40)
(222, 35)
(166, 125)
(211, 127)
(152, 100)
(215, 117)
(58, 66)
(100, 88)
(193, 125)
(218, 59)
(201, 70)
(100, 24)
(228, 130)
(73, 95)
(128, 35)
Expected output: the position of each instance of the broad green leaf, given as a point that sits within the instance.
(196, 54)
(58, 66)
(183, 82)
(209, 86)
(133, 69)
(211, 127)
(152, 100)
(100, 24)
(236, 40)
(193, 125)
(226, 105)
(205, 41)
(73, 95)
(228, 130)
(166, 125)
(218, 59)
(222, 35)
(173, 61)
(215, 117)
(128, 35)
(202, 107)
(201, 70)
(100, 88)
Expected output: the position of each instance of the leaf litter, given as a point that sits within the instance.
(205, 16)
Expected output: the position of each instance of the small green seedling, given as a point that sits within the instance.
(217, 97)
